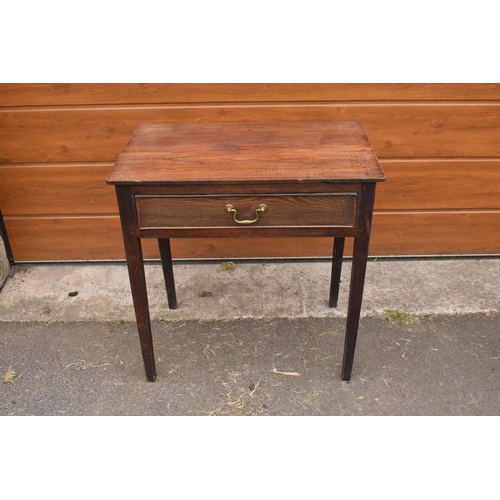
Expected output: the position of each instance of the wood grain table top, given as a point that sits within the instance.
(247, 153)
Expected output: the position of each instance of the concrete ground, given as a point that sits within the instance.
(256, 338)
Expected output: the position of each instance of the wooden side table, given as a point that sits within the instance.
(246, 180)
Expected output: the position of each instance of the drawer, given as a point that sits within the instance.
(287, 210)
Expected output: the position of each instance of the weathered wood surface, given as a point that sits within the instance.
(287, 151)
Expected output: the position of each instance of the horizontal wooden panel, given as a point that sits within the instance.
(63, 190)
(436, 233)
(97, 238)
(94, 238)
(410, 185)
(439, 184)
(100, 134)
(66, 238)
(27, 94)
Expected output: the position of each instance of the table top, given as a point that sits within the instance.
(247, 153)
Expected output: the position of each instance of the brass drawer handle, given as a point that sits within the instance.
(230, 209)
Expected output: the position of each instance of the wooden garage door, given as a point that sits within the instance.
(438, 145)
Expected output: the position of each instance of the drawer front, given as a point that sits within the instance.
(290, 210)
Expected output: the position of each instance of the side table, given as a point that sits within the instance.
(218, 180)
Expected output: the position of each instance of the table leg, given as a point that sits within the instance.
(168, 271)
(358, 272)
(338, 254)
(355, 298)
(135, 264)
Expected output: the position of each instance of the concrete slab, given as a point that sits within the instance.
(266, 289)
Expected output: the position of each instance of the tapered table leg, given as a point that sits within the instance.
(358, 272)
(338, 254)
(355, 298)
(168, 271)
(135, 264)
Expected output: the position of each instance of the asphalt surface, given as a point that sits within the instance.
(433, 366)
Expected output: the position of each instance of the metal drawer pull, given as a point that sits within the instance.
(230, 209)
